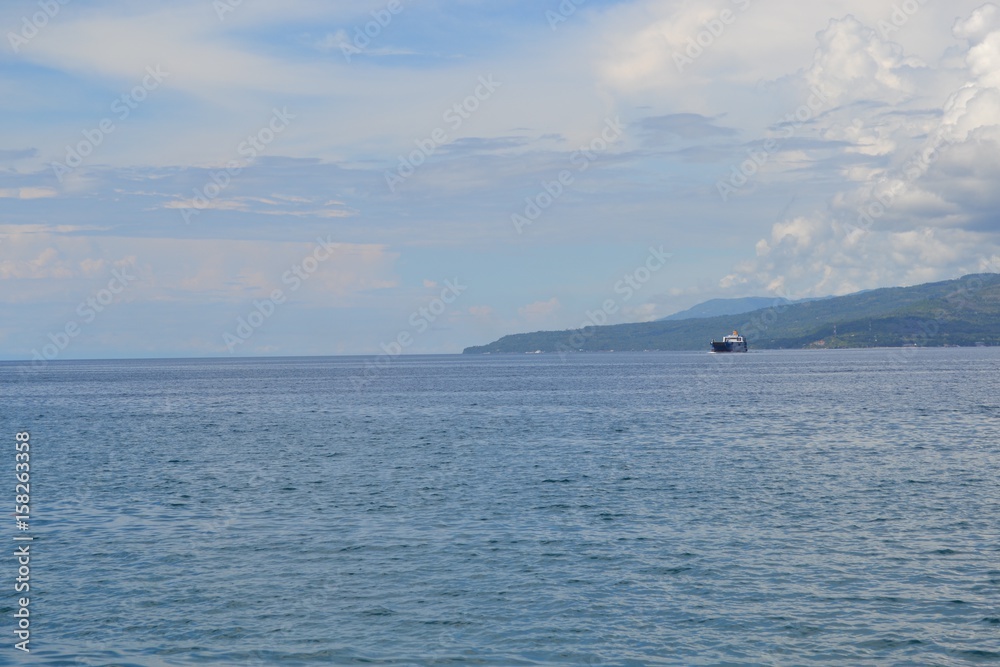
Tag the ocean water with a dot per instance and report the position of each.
(770, 508)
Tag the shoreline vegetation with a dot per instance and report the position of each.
(954, 313)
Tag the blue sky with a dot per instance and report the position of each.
(177, 160)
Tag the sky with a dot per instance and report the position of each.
(246, 178)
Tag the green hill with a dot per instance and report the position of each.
(965, 311)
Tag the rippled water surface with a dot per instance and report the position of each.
(773, 508)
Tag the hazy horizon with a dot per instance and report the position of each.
(211, 179)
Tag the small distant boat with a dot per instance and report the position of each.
(732, 343)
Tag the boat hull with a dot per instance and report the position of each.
(728, 346)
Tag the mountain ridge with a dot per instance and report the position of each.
(716, 307)
(964, 311)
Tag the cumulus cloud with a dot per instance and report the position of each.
(981, 24)
(853, 62)
(925, 207)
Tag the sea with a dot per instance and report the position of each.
(837, 507)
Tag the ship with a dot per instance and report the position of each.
(732, 343)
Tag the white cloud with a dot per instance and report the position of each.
(931, 213)
(539, 310)
(646, 312)
(191, 270)
(980, 25)
(27, 193)
(854, 63)
(481, 312)
(262, 206)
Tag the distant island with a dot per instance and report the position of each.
(962, 312)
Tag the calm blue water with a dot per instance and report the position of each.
(773, 508)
